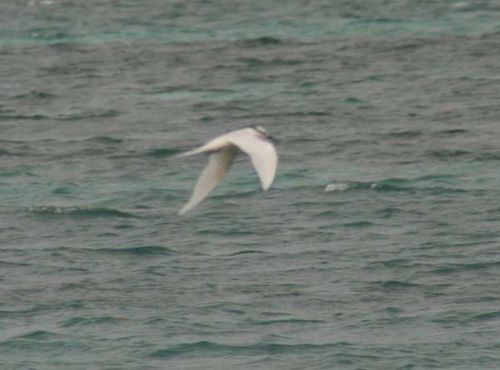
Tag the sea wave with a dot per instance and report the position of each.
(143, 250)
(88, 321)
(428, 184)
(79, 211)
(105, 140)
(162, 152)
(251, 349)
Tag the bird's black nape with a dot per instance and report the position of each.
(260, 130)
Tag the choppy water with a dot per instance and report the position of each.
(392, 106)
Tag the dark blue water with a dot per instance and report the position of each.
(376, 248)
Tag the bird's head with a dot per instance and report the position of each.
(262, 131)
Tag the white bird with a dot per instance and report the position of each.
(223, 149)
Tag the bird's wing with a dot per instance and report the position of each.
(218, 164)
(262, 153)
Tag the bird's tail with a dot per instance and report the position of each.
(191, 152)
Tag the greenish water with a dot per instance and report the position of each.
(391, 107)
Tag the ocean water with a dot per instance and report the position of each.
(378, 246)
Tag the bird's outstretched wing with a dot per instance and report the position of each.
(219, 163)
(261, 151)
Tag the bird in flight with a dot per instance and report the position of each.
(254, 141)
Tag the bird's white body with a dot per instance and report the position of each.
(223, 149)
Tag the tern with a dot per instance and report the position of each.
(254, 141)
